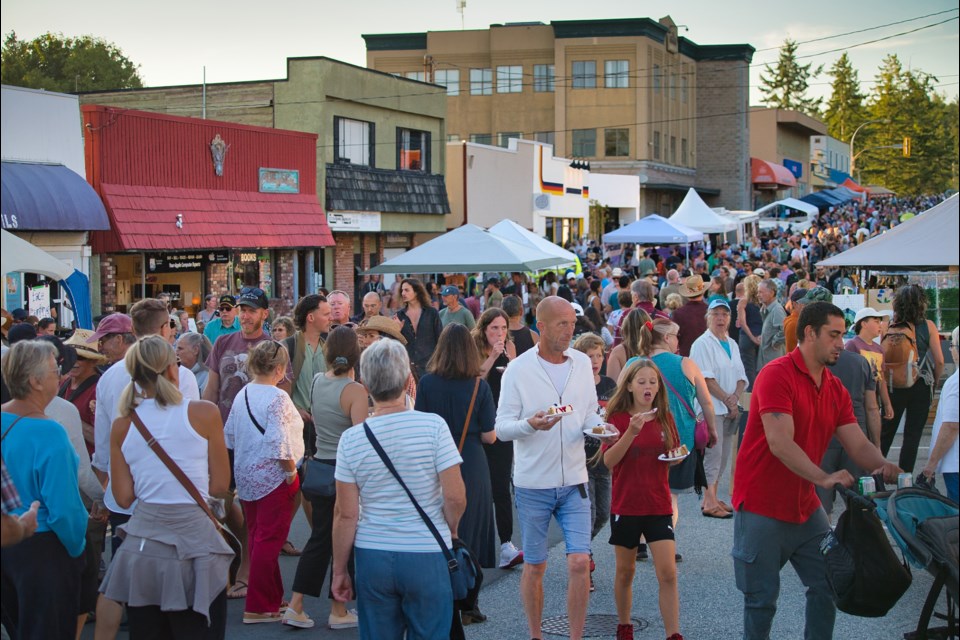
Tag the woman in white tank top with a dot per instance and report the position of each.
(172, 553)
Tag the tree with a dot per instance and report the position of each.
(845, 109)
(68, 65)
(784, 86)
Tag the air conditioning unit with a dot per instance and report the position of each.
(541, 202)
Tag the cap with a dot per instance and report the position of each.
(84, 350)
(113, 323)
(20, 332)
(718, 302)
(227, 301)
(798, 295)
(383, 325)
(759, 271)
(493, 280)
(870, 312)
(19, 314)
(617, 272)
(570, 276)
(577, 308)
(450, 290)
(253, 297)
(817, 294)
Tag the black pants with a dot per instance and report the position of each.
(41, 589)
(318, 553)
(116, 520)
(150, 623)
(915, 401)
(500, 463)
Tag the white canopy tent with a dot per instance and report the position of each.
(653, 229)
(792, 203)
(694, 213)
(467, 249)
(927, 241)
(510, 230)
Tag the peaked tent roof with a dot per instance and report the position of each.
(792, 203)
(510, 230)
(694, 213)
(927, 241)
(653, 229)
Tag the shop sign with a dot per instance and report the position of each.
(796, 168)
(279, 180)
(173, 262)
(249, 256)
(363, 221)
(396, 239)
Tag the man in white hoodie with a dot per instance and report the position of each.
(550, 471)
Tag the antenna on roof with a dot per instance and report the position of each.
(461, 5)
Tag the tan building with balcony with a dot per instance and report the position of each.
(628, 95)
(780, 151)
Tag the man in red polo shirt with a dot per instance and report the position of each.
(796, 408)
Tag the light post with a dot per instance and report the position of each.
(853, 158)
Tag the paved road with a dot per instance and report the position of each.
(711, 607)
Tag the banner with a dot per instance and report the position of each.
(40, 301)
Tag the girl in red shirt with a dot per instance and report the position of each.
(641, 505)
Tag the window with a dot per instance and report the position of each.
(563, 230)
(450, 78)
(657, 78)
(544, 136)
(452, 137)
(413, 150)
(616, 142)
(353, 141)
(481, 82)
(673, 86)
(481, 138)
(585, 74)
(684, 151)
(615, 74)
(543, 77)
(503, 138)
(510, 79)
(584, 143)
(415, 75)
(673, 149)
(656, 145)
(684, 89)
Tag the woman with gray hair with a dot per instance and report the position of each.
(193, 349)
(41, 574)
(402, 580)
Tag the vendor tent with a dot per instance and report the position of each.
(927, 241)
(467, 249)
(694, 213)
(18, 255)
(653, 229)
(791, 203)
(510, 230)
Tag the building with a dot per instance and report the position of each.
(554, 197)
(630, 96)
(379, 161)
(779, 153)
(200, 206)
(46, 199)
(829, 162)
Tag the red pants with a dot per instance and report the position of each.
(268, 524)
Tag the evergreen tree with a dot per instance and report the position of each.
(784, 86)
(845, 108)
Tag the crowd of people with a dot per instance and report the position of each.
(431, 416)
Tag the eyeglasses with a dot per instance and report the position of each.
(672, 335)
(257, 291)
(276, 350)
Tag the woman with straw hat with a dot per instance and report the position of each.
(80, 387)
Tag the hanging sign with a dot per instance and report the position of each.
(39, 304)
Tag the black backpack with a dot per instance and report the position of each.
(865, 574)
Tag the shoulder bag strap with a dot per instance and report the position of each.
(452, 564)
(246, 398)
(76, 393)
(466, 423)
(679, 397)
(173, 467)
(12, 424)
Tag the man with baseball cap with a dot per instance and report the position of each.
(492, 295)
(790, 322)
(227, 323)
(867, 325)
(114, 335)
(453, 312)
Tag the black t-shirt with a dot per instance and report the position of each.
(605, 389)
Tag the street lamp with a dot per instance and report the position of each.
(853, 158)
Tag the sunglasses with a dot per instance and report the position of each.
(173, 323)
(257, 291)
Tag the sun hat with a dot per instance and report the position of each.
(383, 325)
(617, 272)
(84, 349)
(693, 287)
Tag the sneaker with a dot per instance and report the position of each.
(675, 636)
(348, 621)
(257, 618)
(510, 556)
(678, 558)
(642, 553)
(624, 632)
(593, 587)
(299, 620)
(474, 616)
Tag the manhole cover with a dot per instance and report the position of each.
(598, 624)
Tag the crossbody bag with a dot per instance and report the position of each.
(701, 433)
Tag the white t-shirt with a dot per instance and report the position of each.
(948, 411)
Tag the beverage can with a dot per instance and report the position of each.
(867, 485)
(904, 480)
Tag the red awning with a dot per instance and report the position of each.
(769, 175)
(146, 219)
(853, 186)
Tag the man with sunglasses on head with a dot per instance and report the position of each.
(227, 323)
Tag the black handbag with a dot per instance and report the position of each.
(465, 577)
(318, 480)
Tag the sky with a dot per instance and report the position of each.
(238, 40)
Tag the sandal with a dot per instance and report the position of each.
(726, 507)
(716, 512)
(289, 550)
(234, 592)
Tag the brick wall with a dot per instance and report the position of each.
(218, 280)
(108, 284)
(723, 141)
(286, 298)
(343, 263)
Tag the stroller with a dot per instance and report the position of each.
(925, 526)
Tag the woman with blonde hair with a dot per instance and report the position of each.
(265, 431)
(750, 323)
(173, 554)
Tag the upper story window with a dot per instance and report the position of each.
(503, 138)
(450, 78)
(416, 75)
(673, 149)
(673, 86)
(413, 150)
(584, 74)
(656, 145)
(481, 138)
(684, 151)
(354, 141)
(543, 77)
(657, 78)
(481, 82)
(616, 74)
(510, 79)
(616, 143)
(544, 136)
(684, 89)
(584, 143)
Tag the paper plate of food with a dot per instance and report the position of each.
(674, 455)
(561, 410)
(601, 431)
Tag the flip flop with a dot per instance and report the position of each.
(717, 512)
(234, 592)
(289, 550)
(726, 507)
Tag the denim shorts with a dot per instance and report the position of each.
(535, 507)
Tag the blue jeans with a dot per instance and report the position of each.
(761, 546)
(535, 507)
(952, 482)
(600, 495)
(403, 593)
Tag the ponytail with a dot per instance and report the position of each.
(147, 362)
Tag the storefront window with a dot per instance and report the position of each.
(561, 231)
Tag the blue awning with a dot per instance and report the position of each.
(49, 197)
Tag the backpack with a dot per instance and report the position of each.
(900, 356)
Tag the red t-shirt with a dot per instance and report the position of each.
(762, 483)
(641, 485)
